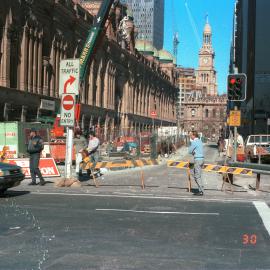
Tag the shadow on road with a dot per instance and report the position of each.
(13, 193)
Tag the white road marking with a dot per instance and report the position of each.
(125, 193)
(186, 198)
(264, 212)
(157, 212)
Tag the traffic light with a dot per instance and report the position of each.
(237, 87)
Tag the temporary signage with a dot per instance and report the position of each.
(46, 104)
(235, 118)
(77, 112)
(67, 110)
(69, 76)
(47, 166)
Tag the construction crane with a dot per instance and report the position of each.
(93, 36)
(175, 45)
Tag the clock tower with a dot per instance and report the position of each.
(206, 73)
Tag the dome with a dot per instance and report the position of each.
(165, 56)
(207, 28)
(144, 46)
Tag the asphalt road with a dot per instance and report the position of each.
(88, 231)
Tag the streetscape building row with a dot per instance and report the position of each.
(122, 86)
(200, 107)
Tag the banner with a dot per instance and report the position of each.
(47, 166)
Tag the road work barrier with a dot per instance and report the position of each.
(113, 165)
(87, 165)
(226, 171)
(257, 169)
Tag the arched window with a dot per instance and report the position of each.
(193, 112)
(206, 113)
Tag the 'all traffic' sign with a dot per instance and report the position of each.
(69, 76)
(67, 110)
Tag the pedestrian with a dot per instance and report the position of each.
(196, 149)
(80, 143)
(240, 140)
(92, 148)
(34, 148)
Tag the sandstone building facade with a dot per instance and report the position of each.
(121, 88)
(200, 107)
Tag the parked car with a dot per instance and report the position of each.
(258, 145)
(10, 176)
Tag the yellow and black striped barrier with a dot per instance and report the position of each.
(86, 164)
(211, 168)
(226, 171)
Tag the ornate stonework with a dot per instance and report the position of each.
(201, 108)
(206, 73)
(122, 86)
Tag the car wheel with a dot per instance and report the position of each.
(3, 190)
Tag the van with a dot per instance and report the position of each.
(257, 145)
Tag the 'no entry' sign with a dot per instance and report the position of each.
(68, 102)
(67, 110)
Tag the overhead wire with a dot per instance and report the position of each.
(193, 24)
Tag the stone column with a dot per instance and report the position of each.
(106, 127)
(35, 62)
(98, 93)
(45, 76)
(5, 66)
(91, 121)
(23, 114)
(91, 84)
(40, 60)
(106, 89)
(57, 65)
(30, 62)
(52, 61)
(24, 56)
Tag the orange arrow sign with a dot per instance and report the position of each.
(70, 81)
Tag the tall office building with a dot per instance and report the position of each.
(250, 55)
(149, 19)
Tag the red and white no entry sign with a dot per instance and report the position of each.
(68, 102)
(153, 113)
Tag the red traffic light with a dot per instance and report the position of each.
(232, 81)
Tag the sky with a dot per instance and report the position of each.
(187, 17)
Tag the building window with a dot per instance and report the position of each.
(193, 112)
(206, 113)
(214, 113)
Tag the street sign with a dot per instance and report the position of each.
(153, 113)
(69, 76)
(235, 118)
(67, 110)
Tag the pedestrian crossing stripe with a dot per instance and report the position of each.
(211, 168)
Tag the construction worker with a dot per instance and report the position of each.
(92, 148)
(35, 147)
(196, 149)
(80, 143)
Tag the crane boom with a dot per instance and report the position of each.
(94, 35)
